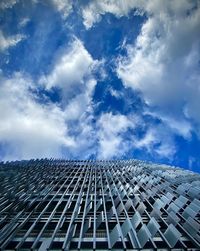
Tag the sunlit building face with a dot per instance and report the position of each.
(98, 205)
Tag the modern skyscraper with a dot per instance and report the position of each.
(98, 205)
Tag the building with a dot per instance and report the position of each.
(98, 205)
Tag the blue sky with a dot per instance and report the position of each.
(100, 80)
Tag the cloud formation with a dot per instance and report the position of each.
(163, 64)
(28, 128)
(66, 126)
(72, 69)
(110, 135)
(81, 88)
(117, 135)
(95, 9)
(9, 41)
(6, 4)
(63, 6)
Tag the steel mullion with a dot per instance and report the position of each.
(53, 212)
(40, 215)
(84, 212)
(52, 188)
(135, 209)
(21, 213)
(115, 211)
(105, 213)
(66, 244)
(134, 232)
(161, 234)
(64, 211)
(95, 200)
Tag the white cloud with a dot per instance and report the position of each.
(115, 93)
(23, 22)
(163, 64)
(147, 141)
(92, 12)
(63, 6)
(73, 73)
(117, 134)
(157, 141)
(72, 70)
(28, 128)
(79, 115)
(110, 135)
(81, 103)
(179, 125)
(192, 161)
(6, 4)
(10, 41)
(85, 137)
(31, 129)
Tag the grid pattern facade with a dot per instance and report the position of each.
(98, 205)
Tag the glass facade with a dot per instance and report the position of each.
(98, 205)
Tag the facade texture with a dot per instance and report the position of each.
(98, 205)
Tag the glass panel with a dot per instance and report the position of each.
(136, 220)
(116, 201)
(99, 204)
(173, 218)
(128, 204)
(172, 235)
(158, 204)
(192, 226)
(181, 201)
(153, 226)
(155, 213)
(170, 196)
(194, 192)
(45, 244)
(110, 213)
(114, 235)
(99, 220)
(173, 207)
(126, 227)
(189, 212)
(165, 200)
(143, 235)
(141, 208)
(195, 205)
(119, 209)
(85, 226)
